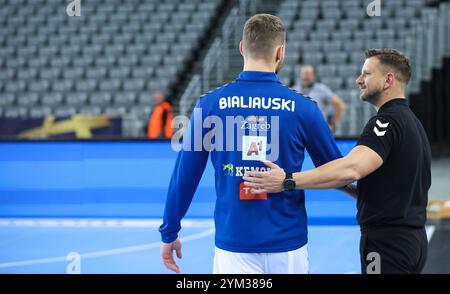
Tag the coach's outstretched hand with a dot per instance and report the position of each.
(167, 254)
(270, 181)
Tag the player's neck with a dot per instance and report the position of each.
(258, 65)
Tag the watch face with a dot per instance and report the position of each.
(289, 184)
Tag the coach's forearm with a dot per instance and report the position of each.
(335, 174)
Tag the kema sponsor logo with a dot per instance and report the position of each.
(231, 170)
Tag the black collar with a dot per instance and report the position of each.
(393, 103)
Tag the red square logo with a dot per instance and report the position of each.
(245, 194)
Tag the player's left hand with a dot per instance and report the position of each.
(270, 181)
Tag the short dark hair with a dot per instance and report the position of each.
(262, 33)
(395, 60)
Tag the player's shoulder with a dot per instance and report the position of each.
(215, 92)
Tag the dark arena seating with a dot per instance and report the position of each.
(107, 61)
(113, 57)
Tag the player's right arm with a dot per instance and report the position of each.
(186, 175)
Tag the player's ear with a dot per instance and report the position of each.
(389, 81)
(241, 48)
(280, 52)
(279, 56)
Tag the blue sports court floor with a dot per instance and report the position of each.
(132, 246)
(104, 202)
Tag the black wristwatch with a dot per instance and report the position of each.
(289, 183)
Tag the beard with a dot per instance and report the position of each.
(372, 97)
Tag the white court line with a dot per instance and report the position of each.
(430, 232)
(127, 223)
(98, 223)
(110, 252)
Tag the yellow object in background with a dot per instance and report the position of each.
(78, 124)
(438, 208)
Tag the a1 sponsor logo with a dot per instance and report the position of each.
(254, 148)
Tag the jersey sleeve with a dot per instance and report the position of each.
(319, 141)
(188, 170)
(380, 134)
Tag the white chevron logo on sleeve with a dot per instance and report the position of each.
(382, 126)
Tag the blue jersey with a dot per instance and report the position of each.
(259, 119)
